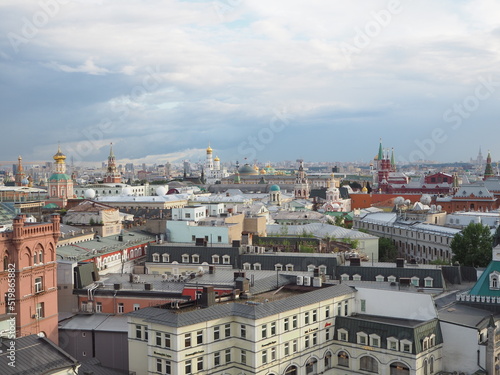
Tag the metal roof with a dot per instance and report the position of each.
(179, 318)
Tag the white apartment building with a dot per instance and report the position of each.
(311, 332)
(423, 242)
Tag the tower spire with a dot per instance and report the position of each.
(380, 151)
(488, 171)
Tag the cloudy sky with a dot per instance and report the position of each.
(266, 80)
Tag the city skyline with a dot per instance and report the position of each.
(280, 81)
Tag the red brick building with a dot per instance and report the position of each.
(28, 279)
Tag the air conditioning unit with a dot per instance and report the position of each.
(300, 280)
(136, 278)
(35, 316)
(164, 277)
(307, 281)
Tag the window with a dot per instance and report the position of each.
(196, 258)
(315, 316)
(228, 355)
(392, 343)
(327, 334)
(362, 338)
(216, 333)
(273, 328)
(243, 331)
(246, 266)
(405, 346)
(39, 310)
(121, 308)
(339, 309)
(264, 356)
(273, 354)
(278, 267)
(216, 358)
(156, 257)
(311, 366)
(432, 340)
(185, 258)
(342, 335)
(306, 341)
(375, 340)
(227, 330)
(158, 338)
(257, 266)
(327, 312)
(398, 368)
(379, 278)
(431, 365)
(34, 259)
(167, 340)
(287, 348)
(98, 307)
(243, 357)
(219, 238)
(363, 305)
(356, 277)
(187, 367)
(367, 363)
(294, 346)
(429, 281)
(40, 257)
(415, 281)
(315, 338)
(38, 284)
(165, 258)
(199, 337)
(289, 267)
(343, 359)
(286, 324)
(344, 277)
(328, 360)
(187, 340)
(346, 308)
(264, 331)
(159, 365)
(226, 259)
(137, 306)
(306, 318)
(215, 259)
(199, 364)
(168, 368)
(294, 321)
(391, 279)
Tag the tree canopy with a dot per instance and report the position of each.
(387, 251)
(473, 245)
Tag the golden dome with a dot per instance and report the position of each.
(209, 149)
(216, 158)
(256, 167)
(59, 157)
(263, 171)
(364, 190)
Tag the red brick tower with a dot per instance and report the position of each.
(28, 276)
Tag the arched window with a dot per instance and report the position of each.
(5, 262)
(424, 366)
(398, 368)
(292, 370)
(431, 365)
(343, 359)
(328, 360)
(35, 259)
(367, 363)
(312, 366)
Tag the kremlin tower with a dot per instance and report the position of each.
(488, 170)
(112, 174)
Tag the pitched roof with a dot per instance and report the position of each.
(34, 355)
(179, 318)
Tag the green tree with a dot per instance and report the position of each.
(472, 246)
(387, 251)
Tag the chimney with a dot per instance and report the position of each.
(211, 270)
(117, 286)
(148, 286)
(207, 298)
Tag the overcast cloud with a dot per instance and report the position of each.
(318, 80)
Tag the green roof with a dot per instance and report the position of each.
(51, 205)
(482, 286)
(59, 177)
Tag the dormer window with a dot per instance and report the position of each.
(494, 278)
